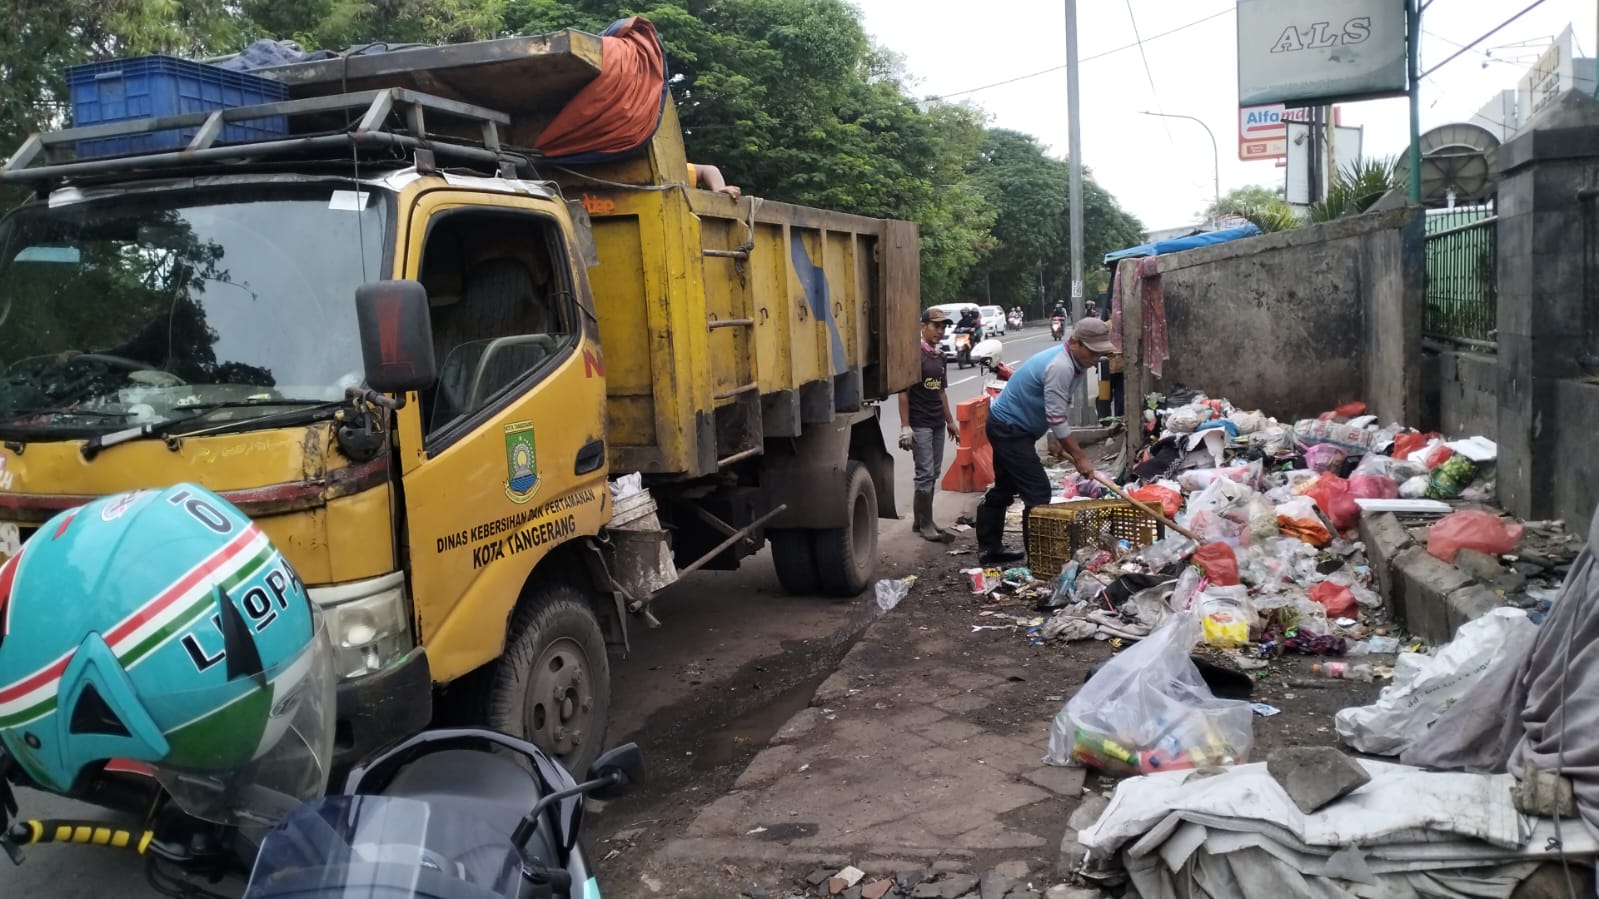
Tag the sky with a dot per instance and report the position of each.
(1160, 169)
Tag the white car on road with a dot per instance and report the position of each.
(993, 320)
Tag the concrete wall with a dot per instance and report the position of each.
(1574, 432)
(1466, 394)
(1293, 323)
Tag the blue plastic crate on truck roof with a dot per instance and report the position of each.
(152, 86)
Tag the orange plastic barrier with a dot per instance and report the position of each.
(973, 469)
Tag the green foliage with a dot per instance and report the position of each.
(791, 99)
(1273, 215)
(1356, 187)
(1239, 199)
(1032, 261)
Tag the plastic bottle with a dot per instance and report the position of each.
(1344, 670)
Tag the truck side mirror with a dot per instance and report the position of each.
(396, 336)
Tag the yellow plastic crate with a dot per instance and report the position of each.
(1055, 532)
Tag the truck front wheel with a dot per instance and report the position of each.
(846, 557)
(552, 686)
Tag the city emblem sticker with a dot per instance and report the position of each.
(521, 462)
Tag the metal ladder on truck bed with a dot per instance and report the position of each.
(393, 119)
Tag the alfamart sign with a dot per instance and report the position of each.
(1313, 52)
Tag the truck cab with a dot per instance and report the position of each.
(417, 360)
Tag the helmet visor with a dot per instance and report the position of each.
(289, 716)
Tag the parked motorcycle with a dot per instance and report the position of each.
(218, 744)
(444, 815)
(1057, 326)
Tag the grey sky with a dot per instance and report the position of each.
(1160, 169)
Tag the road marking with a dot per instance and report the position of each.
(962, 380)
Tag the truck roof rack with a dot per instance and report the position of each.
(393, 119)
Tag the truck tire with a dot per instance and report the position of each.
(552, 686)
(846, 557)
(795, 560)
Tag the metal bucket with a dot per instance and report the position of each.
(640, 551)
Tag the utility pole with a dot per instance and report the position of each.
(1413, 63)
(1074, 131)
(1083, 411)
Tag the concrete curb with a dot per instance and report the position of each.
(1430, 597)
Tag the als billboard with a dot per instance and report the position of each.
(1314, 52)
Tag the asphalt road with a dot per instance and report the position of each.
(720, 656)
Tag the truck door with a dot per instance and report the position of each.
(512, 462)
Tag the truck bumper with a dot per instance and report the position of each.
(381, 708)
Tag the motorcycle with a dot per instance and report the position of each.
(961, 342)
(1013, 321)
(444, 814)
(1057, 326)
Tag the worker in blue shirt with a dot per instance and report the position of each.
(1036, 401)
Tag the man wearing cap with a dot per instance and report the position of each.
(926, 418)
(1035, 402)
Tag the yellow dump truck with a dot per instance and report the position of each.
(420, 362)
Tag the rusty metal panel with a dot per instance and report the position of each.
(898, 310)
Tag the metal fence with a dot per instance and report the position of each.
(1463, 278)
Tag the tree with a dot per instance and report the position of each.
(1029, 190)
(1235, 201)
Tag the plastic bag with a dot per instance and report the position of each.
(1262, 518)
(1424, 686)
(1372, 486)
(1436, 455)
(1414, 488)
(1409, 442)
(1219, 496)
(1225, 615)
(1484, 532)
(1161, 554)
(1148, 710)
(1196, 479)
(1376, 645)
(1452, 478)
(1168, 501)
(1218, 563)
(1185, 419)
(890, 592)
(1325, 457)
(1331, 493)
(1299, 518)
(1247, 422)
(1312, 431)
(1336, 599)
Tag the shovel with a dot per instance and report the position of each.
(1149, 510)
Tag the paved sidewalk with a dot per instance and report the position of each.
(923, 751)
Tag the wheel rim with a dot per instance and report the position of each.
(560, 700)
(861, 534)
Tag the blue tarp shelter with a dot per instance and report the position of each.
(1178, 244)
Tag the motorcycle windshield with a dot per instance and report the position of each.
(378, 847)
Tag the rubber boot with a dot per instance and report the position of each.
(924, 520)
(991, 548)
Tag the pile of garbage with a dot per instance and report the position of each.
(1278, 567)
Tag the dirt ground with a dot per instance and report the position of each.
(701, 753)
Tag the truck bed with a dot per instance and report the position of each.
(724, 324)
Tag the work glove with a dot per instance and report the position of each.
(906, 439)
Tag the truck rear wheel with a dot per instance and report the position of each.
(846, 557)
(795, 560)
(552, 686)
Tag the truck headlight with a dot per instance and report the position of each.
(369, 622)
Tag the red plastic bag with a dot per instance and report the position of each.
(1218, 563)
(1372, 486)
(1165, 499)
(1331, 493)
(1340, 602)
(1438, 456)
(1409, 442)
(1484, 532)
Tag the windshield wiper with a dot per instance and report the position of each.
(98, 442)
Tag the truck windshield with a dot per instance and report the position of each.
(134, 308)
